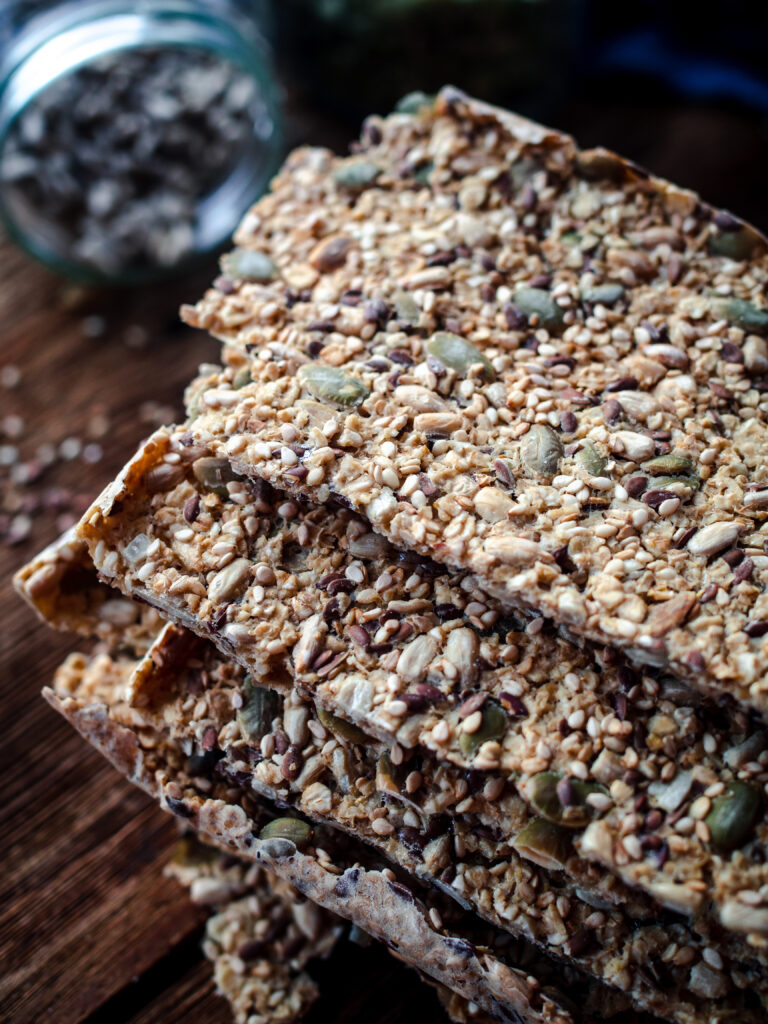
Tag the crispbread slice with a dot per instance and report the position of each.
(370, 898)
(430, 822)
(101, 686)
(591, 446)
(63, 587)
(643, 739)
(260, 934)
(249, 968)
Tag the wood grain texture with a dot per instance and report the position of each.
(84, 907)
(90, 930)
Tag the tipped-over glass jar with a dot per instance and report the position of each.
(133, 135)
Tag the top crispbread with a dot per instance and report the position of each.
(596, 455)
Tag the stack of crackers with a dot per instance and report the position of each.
(447, 603)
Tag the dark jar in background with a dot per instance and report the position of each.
(133, 135)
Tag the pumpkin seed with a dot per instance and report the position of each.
(605, 294)
(190, 852)
(413, 102)
(248, 265)
(341, 727)
(457, 353)
(544, 843)
(333, 384)
(594, 164)
(214, 475)
(669, 465)
(736, 245)
(192, 396)
(537, 301)
(294, 830)
(570, 238)
(493, 725)
(733, 816)
(260, 707)
(406, 308)
(590, 458)
(356, 175)
(385, 776)
(542, 790)
(663, 482)
(422, 173)
(742, 313)
(241, 378)
(541, 450)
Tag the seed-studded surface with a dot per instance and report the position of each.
(61, 585)
(450, 674)
(533, 362)
(291, 755)
(372, 898)
(260, 936)
(241, 895)
(447, 831)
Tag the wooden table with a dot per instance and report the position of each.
(90, 930)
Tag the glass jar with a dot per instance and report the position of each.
(112, 167)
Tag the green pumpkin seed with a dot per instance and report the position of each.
(214, 475)
(570, 238)
(422, 173)
(733, 816)
(742, 313)
(359, 937)
(668, 465)
(542, 793)
(190, 852)
(413, 102)
(537, 301)
(590, 459)
(294, 829)
(594, 164)
(332, 384)
(541, 450)
(248, 265)
(544, 843)
(457, 353)
(605, 294)
(661, 482)
(406, 308)
(260, 707)
(493, 725)
(736, 245)
(241, 378)
(385, 776)
(357, 175)
(192, 396)
(341, 727)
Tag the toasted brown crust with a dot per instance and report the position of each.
(661, 384)
(573, 715)
(63, 588)
(364, 897)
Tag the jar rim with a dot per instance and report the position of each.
(58, 43)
